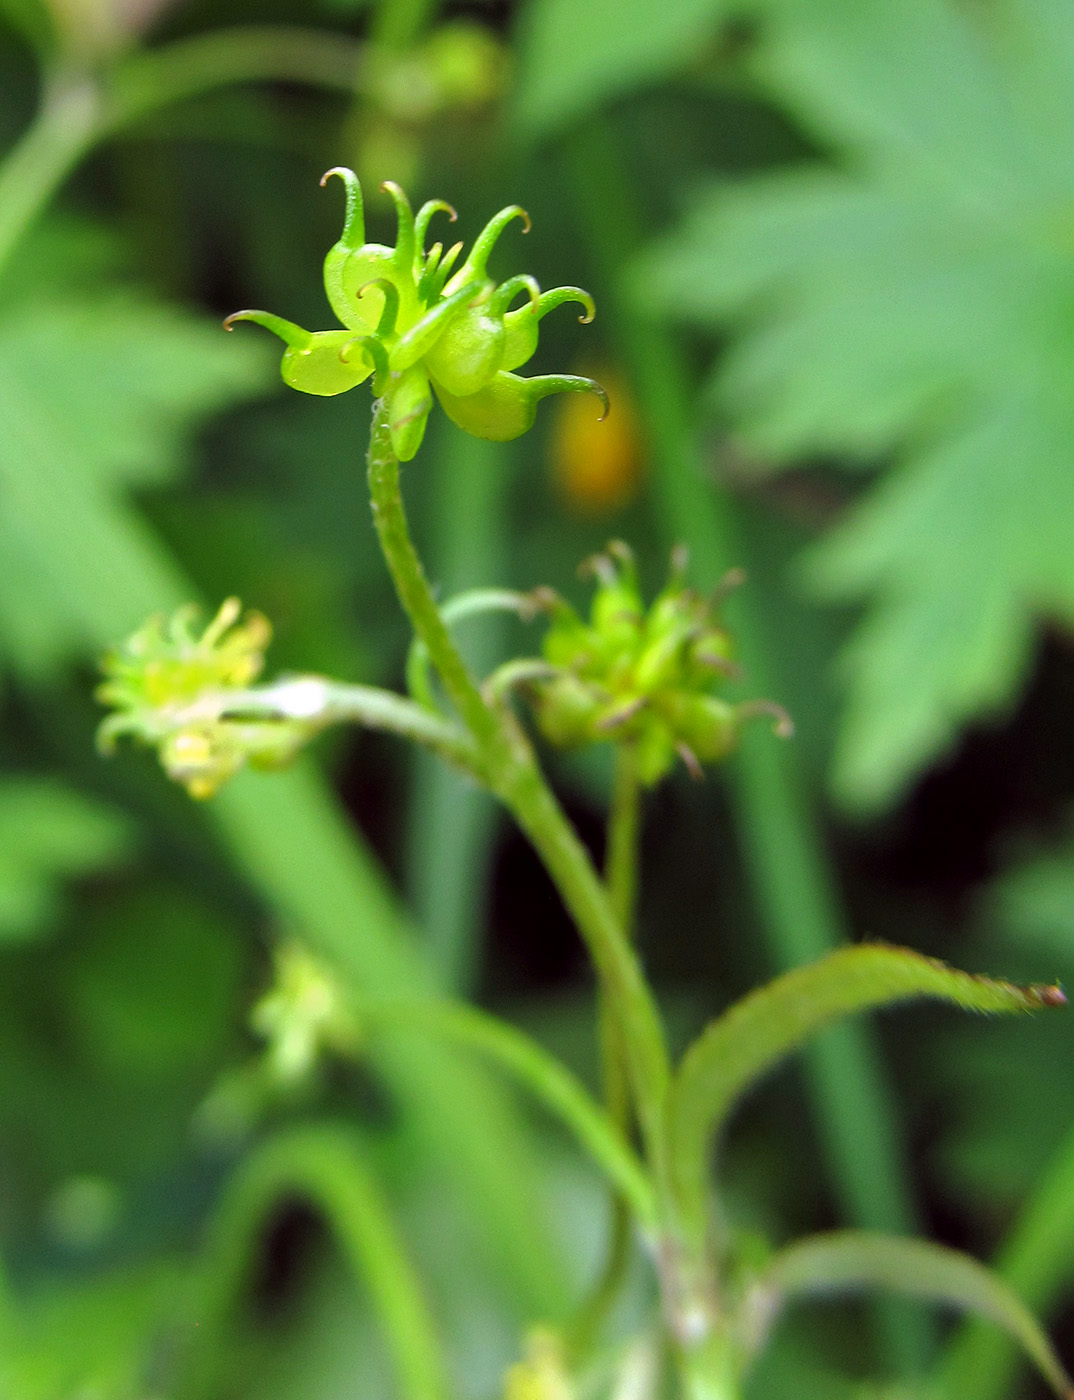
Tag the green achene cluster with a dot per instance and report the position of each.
(643, 677)
(417, 324)
(164, 683)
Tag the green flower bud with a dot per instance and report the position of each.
(568, 712)
(641, 677)
(411, 320)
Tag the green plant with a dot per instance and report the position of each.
(645, 680)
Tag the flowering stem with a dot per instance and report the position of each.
(317, 701)
(508, 767)
(621, 858)
(621, 878)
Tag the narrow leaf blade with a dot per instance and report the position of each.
(849, 1261)
(762, 1029)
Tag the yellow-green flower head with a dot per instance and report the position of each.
(417, 323)
(168, 684)
(645, 677)
(304, 1015)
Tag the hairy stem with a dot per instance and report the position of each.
(510, 770)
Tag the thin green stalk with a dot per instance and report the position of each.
(545, 1077)
(785, 856)
(79, 110)
(144, 82)
(621, 879)
(621, 857)
(452, 821)
(288, 839)
(1036, 1263)
(323, 1165)
(511, 771)
(66, 126)
(318, 702)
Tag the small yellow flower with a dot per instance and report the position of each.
(168, 685)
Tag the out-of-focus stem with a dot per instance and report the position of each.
(81, 108)
(65, 128)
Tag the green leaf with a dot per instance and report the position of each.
(755, 1034)
(94, 1339)
(914, 303)
(851, 1261)
(97, 396)
(49, 834)
(32, 20)
(575, 57)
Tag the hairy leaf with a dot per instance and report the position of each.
(850, 1261)
(49, 833)
(911, 299)
(751, 1038)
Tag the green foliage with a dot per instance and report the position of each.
(903, 293)
(93, 1339)
(574, 57)
(850, 1261)
(737, 1049)
(49, 834)
(98, 396)
(909, 298)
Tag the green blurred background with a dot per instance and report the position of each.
(832, 246)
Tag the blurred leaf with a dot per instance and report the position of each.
(49, 833)
(97, 395)
(153, 990)
(575, 57)
(31, 19)
(849, 1261)
(1034, 901)
(93, 1340)
(916, 301)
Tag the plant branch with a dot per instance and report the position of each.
(145, 82)
(318, 701)
(510, 770)
(323, 1164)
(545, 1077)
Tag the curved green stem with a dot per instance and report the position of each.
(510, 770)
(321, 1164)
(545, 1077)
(147, 81)
(621, 857)
(318, 701)
(64, 129)
(784, 851)
(621, 878)
(79, 110)
(850, 1261)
